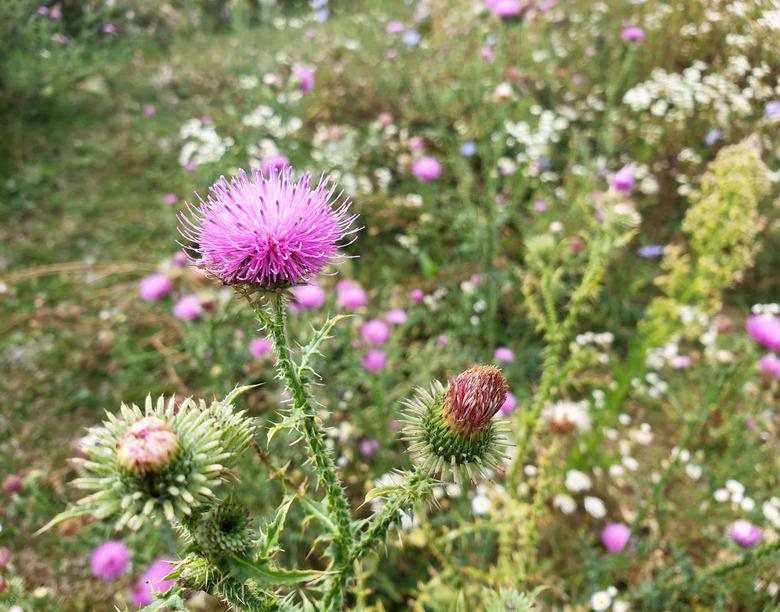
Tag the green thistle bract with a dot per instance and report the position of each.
(224, 529)
(166, 459)
(451, 431)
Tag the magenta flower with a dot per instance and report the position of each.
(396, 316)
(350, 294)
(504, 8)
(633, 34)
(149, 110)
(505, 354)
(615, 537)
(154, 287)
(304, 77)
(374, 360)
(426, 168)
(623, 179)
(268, 231)
(745, 533)
(12, 484)
(368, 447)
(442, 340)
(109, 560)
(770, 364)
(765, 329)
(108, 28)
(274, 163)
(260, 347)
(510, 403)
(170, 199)
(307, 297)
(417, 296)
(474, 397)
(376, 331)
(188, 308)
(395, 27)
(180, 259)
(152, 581)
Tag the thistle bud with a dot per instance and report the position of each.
(452, 431)
(148, 446)
(224, 529)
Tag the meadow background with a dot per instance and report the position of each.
(113, 114)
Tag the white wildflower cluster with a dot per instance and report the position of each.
(652, 384)
(202, 144)
(605, 600)
(598, 343)
(535, 141)
(277, 127)
(734, 492)
(579, 482)
(678, 97)
(692, 470)
(335, 146)
(765, 309)
(771, 511)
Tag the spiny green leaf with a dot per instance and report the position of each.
(273, 530)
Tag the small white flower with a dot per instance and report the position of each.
(693, 471)
(595, 507)
(480, 505)
(577, 481)
(721, 495)
(600, 601)
(564, 503)
(621, 606)
(747, 504)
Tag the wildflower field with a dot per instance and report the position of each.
(431, 305)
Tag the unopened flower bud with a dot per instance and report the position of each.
(473, 398)
(148, 446)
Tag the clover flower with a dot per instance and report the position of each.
(267, 231)
(452, 431)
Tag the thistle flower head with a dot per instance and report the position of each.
(147, 446)
(268, 231)
(163, 460)
(451, 431)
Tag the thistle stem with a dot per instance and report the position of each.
(322, 459)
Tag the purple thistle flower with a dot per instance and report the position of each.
(109, 560)
(350, 294)
(268, 231)
(154, 287)
(474, 397)
(374, 360)
(188, 308)
(304, 77)
(260, 347)
(376, 332)
(745, 533)
(307, 297)
(274, 163)
(510, 403)
(417, 295)
(633, 34)
(108, 28)
(770, 364)
(151, 581)
(396, 316)
(623, 180)
(615, 537)
(765, 329)
(170, 199)
(426, 168)
(504, 8)
(368, 447)
(505, 354)
(12, 484)
(395, 27)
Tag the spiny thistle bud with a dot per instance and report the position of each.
(452, 431)
(166, 459)
(148, 445)
(224, 529)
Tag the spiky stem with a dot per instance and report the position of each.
(322, 459)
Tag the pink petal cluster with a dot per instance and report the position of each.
(154, 287)
(375, 331)
(510, 403)
(505, 354)
(623, 179)
(374, 360)
(633, 34)
(188, 308)
(350, 294)
(745, 533)
(615, 537)
(765, 329)
(152, 581)
(426, 168)
(260, 347)
(504, 8)
(147, 446)
(304, 77)
(770, 364)
(396, 316)
(109, 560)
(474, 397)
(417, 295)
(307, 297)
(269, 231)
